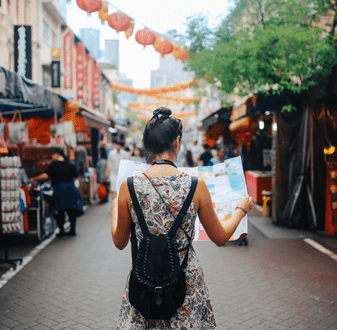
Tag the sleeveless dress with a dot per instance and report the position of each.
(196, 312)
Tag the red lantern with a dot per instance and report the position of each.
(119, 21)
(184, 54)
(90, 6)
(145, 37)
(165, 47)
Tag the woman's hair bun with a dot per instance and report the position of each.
(162, 111)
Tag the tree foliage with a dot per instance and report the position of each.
(266, 46)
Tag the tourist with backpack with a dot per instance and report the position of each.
(166, 287)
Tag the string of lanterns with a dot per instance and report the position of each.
(181, 115)
(119, 21)
(154, 90)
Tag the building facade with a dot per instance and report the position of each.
(90, 37)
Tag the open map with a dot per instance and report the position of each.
(226, 184)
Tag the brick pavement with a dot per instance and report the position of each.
(77, 282)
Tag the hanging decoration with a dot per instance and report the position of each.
(176, 51)
(129, 31)
(145, 37)
(149, 104)
(184, 55)
(157, 42)
(119, 21)
(122, 22)
(180, 115)
(165, 47)
(103, 13)
(89, 6)
(155, 90)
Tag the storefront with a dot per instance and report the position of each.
(216, 125)
(92, 131)
(27, 111)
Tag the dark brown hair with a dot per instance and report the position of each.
(160, 133)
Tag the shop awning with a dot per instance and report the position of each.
(33, 100)
(223, 113)
(91, 117)
(94, 118)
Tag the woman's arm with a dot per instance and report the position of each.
(120, 218)
(42, 176)
(219, 231)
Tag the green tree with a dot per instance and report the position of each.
(266, 46)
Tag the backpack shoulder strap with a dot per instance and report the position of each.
(136, 205)
(183, 210)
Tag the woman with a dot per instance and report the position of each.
(66, 197)
(162, 141)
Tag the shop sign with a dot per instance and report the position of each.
(68, 45)
(80, 71)
(55, 74)
(23, 50)
(95, 86)
(239, 112)
(55, 53)
(330, 154)
(90, 70)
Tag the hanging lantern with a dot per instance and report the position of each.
(89, 6)
(119, 21)
(129, 31)
(103, 13)
(157, 43)
(165, 47)
(145, 37)
(176, 51)
(184, 54)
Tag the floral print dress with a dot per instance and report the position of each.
(196, 312)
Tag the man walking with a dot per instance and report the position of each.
(114, 158)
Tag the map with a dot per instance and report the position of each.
(225, 182)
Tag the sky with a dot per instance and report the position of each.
(160, 16)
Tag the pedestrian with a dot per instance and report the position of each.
(188, 159)
(220, 157)
(114, 157)
(206, 156)
(162, 140)
(101, 172)
(66, 197)
(137, 155)
(196, 151)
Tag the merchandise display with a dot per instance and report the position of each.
(11, 215)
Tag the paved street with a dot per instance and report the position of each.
(276, 282)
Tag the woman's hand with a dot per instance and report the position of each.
(246, 203)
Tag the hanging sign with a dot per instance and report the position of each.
(55, 74)
(68, 46)
(80, 69)
(23, 50)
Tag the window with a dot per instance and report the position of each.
(54, 40)
(45, 30)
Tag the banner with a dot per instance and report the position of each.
(225, 182)
(23, 50)
(68, 46)
(95, 86)
(89, 79)
(80, 71)
(55, 74)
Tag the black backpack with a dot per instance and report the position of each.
(157, 281)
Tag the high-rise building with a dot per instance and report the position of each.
(111, 52)
(90, 38)
(171, 71)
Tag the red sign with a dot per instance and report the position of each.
(68, 46)
(95, 86)
(80, 71)
(90, 74)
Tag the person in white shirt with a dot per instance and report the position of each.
(114, 158)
